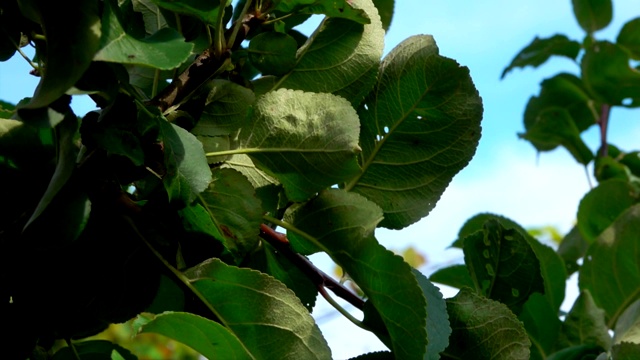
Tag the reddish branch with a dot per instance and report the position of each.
(317, 276)
(603, 122)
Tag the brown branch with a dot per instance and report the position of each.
(317, 276)
(603, 122)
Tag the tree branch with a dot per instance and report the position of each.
(603, 122)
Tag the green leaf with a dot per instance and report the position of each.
(456, 276)
(73, 37)
(611, 269)
(93, 350)
(268, 190)
(273, 53)
(572, 248)
(593, 15)
(629, 38)
(503, 265)
(164, 50)
(426, 105)
(600, 207)
(307, 141)
(554, 126)
(484, 329)
(292, 334)
(331, 8)
(205, 10)
(541, 322)
(438, 329)
(342, 224)
(540, 50)
(152, 17)
(578, 352)
(585, 324)
(226, 109)
(625, 350)
(341, 57)
(566, 91)
(385, 9)
(188, 172)
(210, 339)
(607, 73)
(628, 325)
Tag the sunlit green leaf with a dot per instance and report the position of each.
(609, 76)
(291, 334)
(307, 141)
(627, 327)
(267, 188)
(484, 329)
(540, 50)
(593, 15)
(611, 269)
(207, 337)
(165, 50)
(426, 105)
(342, 224)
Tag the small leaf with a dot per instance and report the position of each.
(164, 50)
(593, 15)
(210, 339)
(607, 73)
(342, 57)
(205, 10)
(571, 249)
(503, 265)
(93, 349)
(628, 325)
(540, 50)
(307, 141)
(331, 8)
(629, 38)
(292, 326)
(456, 276)
(611, 269)
(428, 106)
(273, 53)
(484, 329)
(73, 37)
(553, 127)
(600, 207)
(438, 329)
(342, 224)
(585, 324)
(235, 211)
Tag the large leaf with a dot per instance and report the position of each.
(611, 269)
(307, 141)
(342, 224)
(484, 329)
(540, 50)
(503, 265)
(278, 327)
(207, 337)
(600, 207)
(73, 37)
(629, 38)
(593, 15)
(341, 57)
(608, 74)
(426, 105)
(234, 210)
(585, 324)
(438, 329)
(165, 50)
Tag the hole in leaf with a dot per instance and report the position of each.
(627, 101)
(419, 117)
(386, 129)
(366, 107)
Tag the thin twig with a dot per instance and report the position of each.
(603, 122)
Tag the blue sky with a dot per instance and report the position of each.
(506, 176)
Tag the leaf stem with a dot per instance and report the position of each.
(73, 348)
(219, 41)
(156, 80)
(239, 23)
(340, 309)
(603, 122)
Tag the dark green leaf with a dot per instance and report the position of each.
(578, 352)
(426, 105)
(380, 355)
(291, 334)
(554, 126)
(566, 91)
(572, 248)
(342, 224)
(607, 168)
(540, 50)
(332, 8)
(152, 17)
(611, 269)
(600, 207)
(226, 109)
(308, 141)
(342, 58)
(94, 350)
(541, 322)
(585, 324)
(484, 329)
(456, 276)
(625, 350)
(385, 9)
(438, 329)
(235, 211)
(165, 50)
(273, 53)
(207, 337)
(607, 73)
(503, 265)
(73, 37)
(593, 15)
(629, 38)
(169, 297)
(205, 10)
